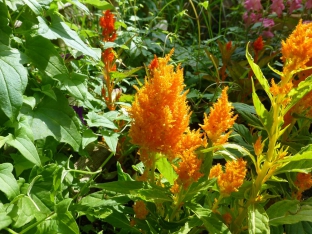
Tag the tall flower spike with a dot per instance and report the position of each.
(107, 22)
(297, 49)
(220, 120)
(160, 112)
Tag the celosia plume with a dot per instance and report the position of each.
(233, 177)
(160, 112)
(258, 44)
(140, 210)
(258, 146)
(107, 22)
(303, 182)
(297, 49)
(220, 120)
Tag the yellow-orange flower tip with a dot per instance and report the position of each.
(258, 146)
(297, 49)
(303, 182)
(140, 210)
(220, 120)
(233, 177)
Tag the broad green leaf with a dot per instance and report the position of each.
(5, 219)
(96, 200)
(88, 137)
(296, 94)
(119, 76)
(44, 56)
(31, 101)
(59, 29)
(111, 139)
(299, 228)
(13, 81)
(264, 116)
(123, 187)
(258, 221)
(75, 84)
(47, 90)
(95, 120)
(55, 118)
(248, 113)
(121, 220)
(154, 194)
(166, 169)
(211, 221)
(258, 73)
(3, 140)
(66, 222)
(23, 212)
(34, 6)
(26, 147)
(5, 29)
(289, 212)
(21, 163)
(8, 183)
(201, 185)
(101, 5)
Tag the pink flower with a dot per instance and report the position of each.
(277, 7)
(267, 23)
(267, 34)
(308, 4)
(251, 18)
(293, 5)
(253, 5)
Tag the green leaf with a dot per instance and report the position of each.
(5, 219)
(111, 139)
(66, 222)
(26, 147)
(300, 162)
(101, 5)
(248, 113)
(55, 118)
(88, 137)
(123, 187)
(59, 29)
(258, 73)
(44, 56)
(120, 220)
(23, 212)
(8, 183)
(119, 76)
(264, 116)
(95, 120)
(289, 212)
(13, 81)
(34, 6)
(299, 228)
(211, 221)
(296, 94)
(75, 84)
(5, 29)
(166, 169)
(258, 221)
(122, 176)
(193, 222)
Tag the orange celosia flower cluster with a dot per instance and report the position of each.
(189, 167)
(233, 177)
(140, 210)
(303, 182)
(160, 113)
(297, 49)
(258, 44)
(107, 22)
(220, 120)
(160, 122)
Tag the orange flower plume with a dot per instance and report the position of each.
(297, 49)
(303, 182)
(160, 112)
(220, 120)
(140, 210)
(233, 177)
